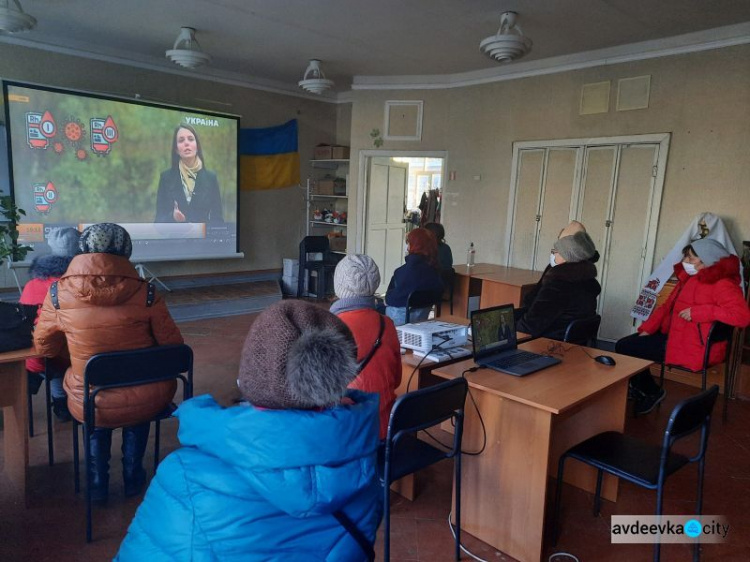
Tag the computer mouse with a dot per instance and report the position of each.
(605, 360)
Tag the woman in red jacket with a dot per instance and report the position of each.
(707, 290)
(378, 353)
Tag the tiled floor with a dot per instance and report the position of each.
(51, 527)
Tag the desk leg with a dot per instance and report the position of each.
(15, 422)
(504, 488)
(461, 296)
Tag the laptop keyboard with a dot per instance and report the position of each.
(513, 360)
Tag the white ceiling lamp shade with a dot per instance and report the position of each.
(314, 81)
(186, 51)
(13, 18)
(509, 43)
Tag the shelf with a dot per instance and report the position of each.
(331, 224)
(328, 164)
(329, 197)
(342, 252)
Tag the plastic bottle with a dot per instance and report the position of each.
(470, 255)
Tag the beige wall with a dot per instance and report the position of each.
(703, 99)
(272, 222)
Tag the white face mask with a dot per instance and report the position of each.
(406, 249)
(552, 262)
(689, 268)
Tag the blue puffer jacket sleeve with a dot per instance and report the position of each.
(253, 484)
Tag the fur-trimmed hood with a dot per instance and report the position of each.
(725, 268)
(49, 265)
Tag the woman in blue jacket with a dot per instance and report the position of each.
(267, 479)
(419, 273)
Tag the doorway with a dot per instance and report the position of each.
(613, 186)
(390, 189)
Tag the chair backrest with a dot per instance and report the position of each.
(449, 278)
(689, 416)
(582, 331)
(422, 299)
(718, 332)
(427, 407)
(313, 244)
(135, 367)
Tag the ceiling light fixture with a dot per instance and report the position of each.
(509, 43)
(314, 81)
(186, 51)
(13, 18)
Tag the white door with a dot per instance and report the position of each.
(613, 186)
(384, 231)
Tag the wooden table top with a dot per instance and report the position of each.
(18, 355)
(554, 389)
(499, 273)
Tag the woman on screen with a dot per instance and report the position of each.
(188, 192)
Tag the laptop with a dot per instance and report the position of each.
(496, 347)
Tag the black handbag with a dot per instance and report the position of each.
(16, 325)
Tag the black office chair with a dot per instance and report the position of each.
(123, 369)
(583, 331)
(324, 268)
(718, 332)
(48, 412)
(449, 279)
(403, 454)
(645, 464)
(422, 299)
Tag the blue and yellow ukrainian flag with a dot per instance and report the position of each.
(268, 157)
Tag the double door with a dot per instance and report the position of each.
(613, 186)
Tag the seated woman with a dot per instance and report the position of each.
(268, 479)
(567, 291)
(444, 253)
(419, 273)
(355, 281)
(103, 305)
(43, 271)
(707, 290)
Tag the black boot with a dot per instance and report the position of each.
(60, 408)
(100, 443)
(134, 440)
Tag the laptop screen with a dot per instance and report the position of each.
(493, 330)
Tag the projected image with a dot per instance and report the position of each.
(168, 175)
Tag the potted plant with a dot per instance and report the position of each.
(9, 217)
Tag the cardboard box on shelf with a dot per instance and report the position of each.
(326, 187)
(339, 186)
(340, 152)
(337, 243)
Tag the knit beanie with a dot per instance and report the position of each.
(576, 247)
(297, 356)
(63, 241)
(709, 250)
(106, 238)
(357, 275)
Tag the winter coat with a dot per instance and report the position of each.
(204, 206)
(712, 294)
(103, 308)
(43, 271)
(565, 293)
(415, 275)
(382, 374)
(252, 484)
(445, 256)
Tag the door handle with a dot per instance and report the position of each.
(608, 223)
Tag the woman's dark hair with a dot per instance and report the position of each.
(688, 249)
(175, 156)
(437, 229)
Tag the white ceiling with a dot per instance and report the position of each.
(269, 42)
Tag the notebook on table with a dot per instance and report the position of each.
(496, 347)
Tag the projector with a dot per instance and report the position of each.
(424, 336)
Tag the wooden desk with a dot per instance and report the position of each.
(494, 284)
(13, 390)
(530, 421)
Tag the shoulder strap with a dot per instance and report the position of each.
(53, 295)
(375, 346)
(356, 534)
(150, 294)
